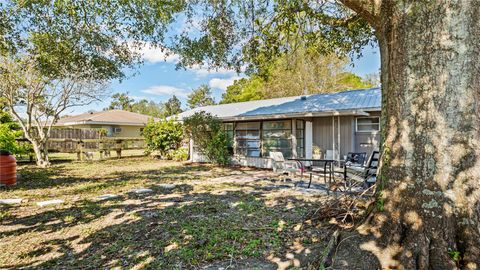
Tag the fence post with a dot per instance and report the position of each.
(80, 151)
(118, 147)
(101, 148)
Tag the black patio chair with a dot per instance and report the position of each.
(356, 158)
(366, 174)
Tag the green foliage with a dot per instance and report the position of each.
(84, 36)
(244, 90)
(7, 138)
(9, 131)
(353, 81)
(298, 73)
(146, 107)
(163, 136)
(121, 101)
(172, 107)
(202, 96)
(209, 137)
(455, 255)
(235, 33)
(180, 154)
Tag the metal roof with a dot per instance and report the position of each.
(330, 103)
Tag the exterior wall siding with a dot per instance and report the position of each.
(127, 131)
(324, 135)
(367, 141)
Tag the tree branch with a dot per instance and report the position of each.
(368, 9)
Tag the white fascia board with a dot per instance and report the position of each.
(293, 115)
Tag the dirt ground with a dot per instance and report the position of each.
(196, 217)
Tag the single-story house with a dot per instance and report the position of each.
(342, 122)
(117, 123)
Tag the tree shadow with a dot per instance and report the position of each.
(176, 229)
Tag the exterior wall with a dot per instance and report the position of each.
(367, 141)
(324, 136)
(127, 131)
(319, 131)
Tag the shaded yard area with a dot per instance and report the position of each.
(210, 217)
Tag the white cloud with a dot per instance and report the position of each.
(165, 90)
(223, 83)
(154, 54)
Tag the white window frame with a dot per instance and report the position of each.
(367, 131)
(117, 130)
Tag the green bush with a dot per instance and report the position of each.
(163, 136)
(181, 154)
(209, 137)
(7, 138)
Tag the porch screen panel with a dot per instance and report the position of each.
(276, 137)
(247, 136)
(228, 128)
(300, 138)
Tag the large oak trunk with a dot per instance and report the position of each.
(428, 206)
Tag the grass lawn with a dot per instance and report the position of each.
(212, 217)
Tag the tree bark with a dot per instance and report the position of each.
(428, 208)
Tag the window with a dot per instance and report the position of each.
(141, 131)
(117, 130)
(248, 139)
(300, 138)
(368, 124)
(228, 128)
(276, 137)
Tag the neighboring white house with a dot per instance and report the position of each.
(344, 122)
(117, 123)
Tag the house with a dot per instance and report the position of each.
(117, 123)
(344, 122)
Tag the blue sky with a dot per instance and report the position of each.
(157, 79)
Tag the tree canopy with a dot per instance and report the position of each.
(293, 74)
(78, 36)
(202, 96)
(122, 101)
(173, 106)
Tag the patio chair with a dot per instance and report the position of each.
(283, 166)
(366, 174)
(355, 159)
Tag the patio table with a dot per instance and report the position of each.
(327, 163)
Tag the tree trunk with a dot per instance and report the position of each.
(428, 206)
(41, 153)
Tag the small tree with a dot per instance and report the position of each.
(36, 100)
(209, 137)
(202, 96)
(163, 136)
(173, 106)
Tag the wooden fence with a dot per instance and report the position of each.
(85, 141)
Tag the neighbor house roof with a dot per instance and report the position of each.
(111, 117)
(352, 102)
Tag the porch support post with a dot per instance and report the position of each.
(333, 136)
(294, 138)
(338, 136)
(308, 139)
(190, 144)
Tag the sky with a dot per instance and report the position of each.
(157, 79)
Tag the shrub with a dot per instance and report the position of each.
(7, 139)
(163, 136)
(209, 137)
(181, 154)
